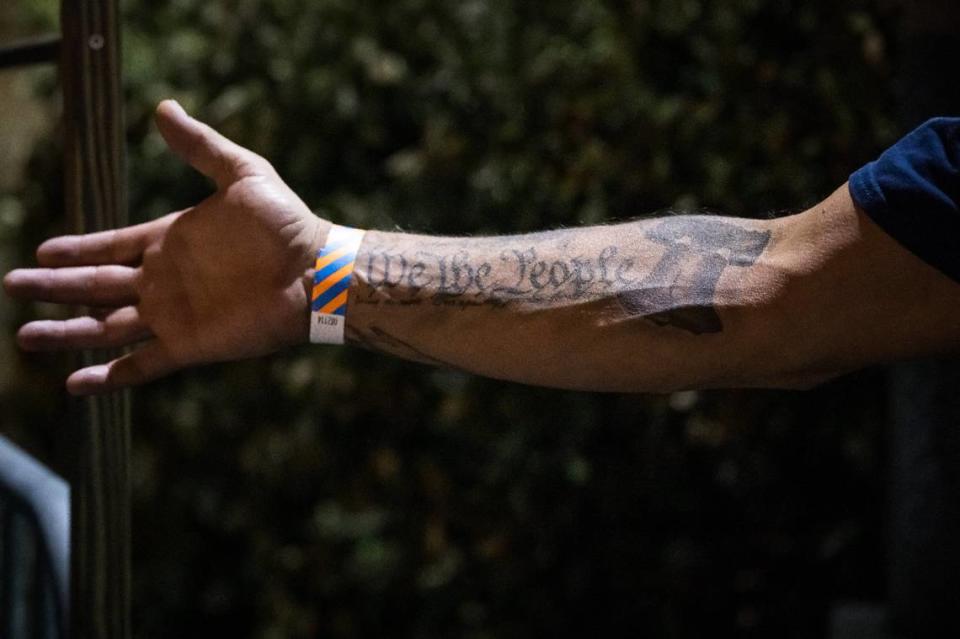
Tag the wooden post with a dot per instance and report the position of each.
(95, 199)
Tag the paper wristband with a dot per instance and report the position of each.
(331, 284)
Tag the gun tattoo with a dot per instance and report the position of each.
(680, 289)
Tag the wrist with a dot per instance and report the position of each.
(335, 253)
(318, 234)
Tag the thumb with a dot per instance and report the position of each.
(201, 146)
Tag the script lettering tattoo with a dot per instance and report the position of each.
(681, 288)
(389, 269)
(457, 278)
(551, 268)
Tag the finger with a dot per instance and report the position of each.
(116, 246)
(145, 364)
(121, 327)
(87, 285)
(101, 312)
(201, 146)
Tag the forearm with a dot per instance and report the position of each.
(655, 305)
(649, 305)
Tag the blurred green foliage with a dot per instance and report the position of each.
(331, 492)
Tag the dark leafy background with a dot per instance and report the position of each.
(336, 493)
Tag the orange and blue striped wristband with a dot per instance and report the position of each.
(333, 272)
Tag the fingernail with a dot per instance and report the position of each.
(10, 280)
(173, 105)
(27, 336)
(178, 107)
(88, 380)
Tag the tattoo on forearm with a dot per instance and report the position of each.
(678, 291)
(378, 339)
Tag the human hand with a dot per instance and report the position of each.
(226, 279)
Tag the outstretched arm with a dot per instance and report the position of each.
(653, 305)
(659, 304)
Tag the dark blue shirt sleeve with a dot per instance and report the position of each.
(912, 192)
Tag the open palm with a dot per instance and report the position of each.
(225, 279)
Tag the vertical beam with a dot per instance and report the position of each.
(95, 199)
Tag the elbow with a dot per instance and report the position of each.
(790, 350)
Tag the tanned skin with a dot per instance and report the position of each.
(649, 306)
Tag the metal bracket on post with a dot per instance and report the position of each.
(95, 199)
(37, 51)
